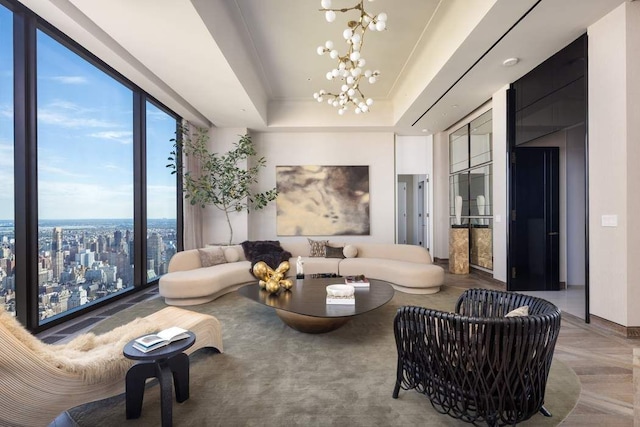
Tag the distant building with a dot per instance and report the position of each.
(155, 247)
(57, 254)
(78, 297)
(86, 258)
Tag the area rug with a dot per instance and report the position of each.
(272, 375)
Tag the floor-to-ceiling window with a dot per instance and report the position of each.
(95, 213)
(85, 180)
(7, 228)
(162, 192)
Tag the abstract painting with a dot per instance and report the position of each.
(322, 200)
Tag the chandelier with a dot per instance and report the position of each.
(349, 68)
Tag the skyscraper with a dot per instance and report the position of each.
(117, 237)
(154, 251)
(57, 255)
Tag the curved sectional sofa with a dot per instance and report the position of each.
(407, 268)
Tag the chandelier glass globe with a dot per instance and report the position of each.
(350, 67)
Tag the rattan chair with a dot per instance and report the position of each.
(39, 381)
(476, 364)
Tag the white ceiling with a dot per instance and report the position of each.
(253, 63)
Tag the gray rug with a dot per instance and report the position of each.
(271, 375)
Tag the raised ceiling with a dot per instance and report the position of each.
(253, 63)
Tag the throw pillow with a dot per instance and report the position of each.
(231, 255)
(332, 252)
(211, 256)
(317, 247)
(520, 311)
(350, 251)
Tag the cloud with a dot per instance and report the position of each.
(59, 171)
(69, 115)
(80, 199)
(6, 111)
(161, 201)
(70, 80)
(123, 137)
(156, 115)
(6, 157)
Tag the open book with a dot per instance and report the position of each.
(151, 342)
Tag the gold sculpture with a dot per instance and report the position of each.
(272, 280)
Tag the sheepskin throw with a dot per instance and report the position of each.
(94, 357)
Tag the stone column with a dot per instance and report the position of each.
(459, 250)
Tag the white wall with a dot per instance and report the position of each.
(608, 174)
(576, 206)
(375, 150)
(440, 207)
(633, 152)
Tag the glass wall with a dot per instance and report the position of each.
(85, 180)
(471, 187)
(83, 160)
(7, 205)
(162, 192)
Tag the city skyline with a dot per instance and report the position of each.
(85, 138)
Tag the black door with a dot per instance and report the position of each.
(534, 241)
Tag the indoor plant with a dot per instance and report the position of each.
(222, 181)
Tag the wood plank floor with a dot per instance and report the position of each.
(602, 360)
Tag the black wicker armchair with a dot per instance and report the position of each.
(476, 364)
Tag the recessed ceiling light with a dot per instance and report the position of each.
(243, 110)
(425, 130)
(510, 62)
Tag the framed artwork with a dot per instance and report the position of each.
(322, 200)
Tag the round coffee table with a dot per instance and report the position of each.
(305, 309)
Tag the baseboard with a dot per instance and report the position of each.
(488, 276)
(623, 331)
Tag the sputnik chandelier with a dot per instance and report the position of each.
(349, 69)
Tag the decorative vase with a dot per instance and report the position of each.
(458, 208)
(299, 268)
(480, 201)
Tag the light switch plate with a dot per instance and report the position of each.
(609, 220)
(498, 218)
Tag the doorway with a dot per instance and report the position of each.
(535, 217)
(413, 218)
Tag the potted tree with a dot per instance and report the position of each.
(222, 181)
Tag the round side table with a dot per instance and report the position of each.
(166, 364)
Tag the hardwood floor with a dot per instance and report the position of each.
(602, 360)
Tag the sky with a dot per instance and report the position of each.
(85, 138)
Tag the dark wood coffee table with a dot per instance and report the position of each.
(304, 307)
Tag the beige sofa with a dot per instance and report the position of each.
(407, 267)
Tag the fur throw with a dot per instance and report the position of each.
(95, 358)
(268, 251)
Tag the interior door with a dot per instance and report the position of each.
(534, 247)
(421, 215)
(402, 212)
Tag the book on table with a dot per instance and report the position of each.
(358, 281)
(350, 300)
(152, 342)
